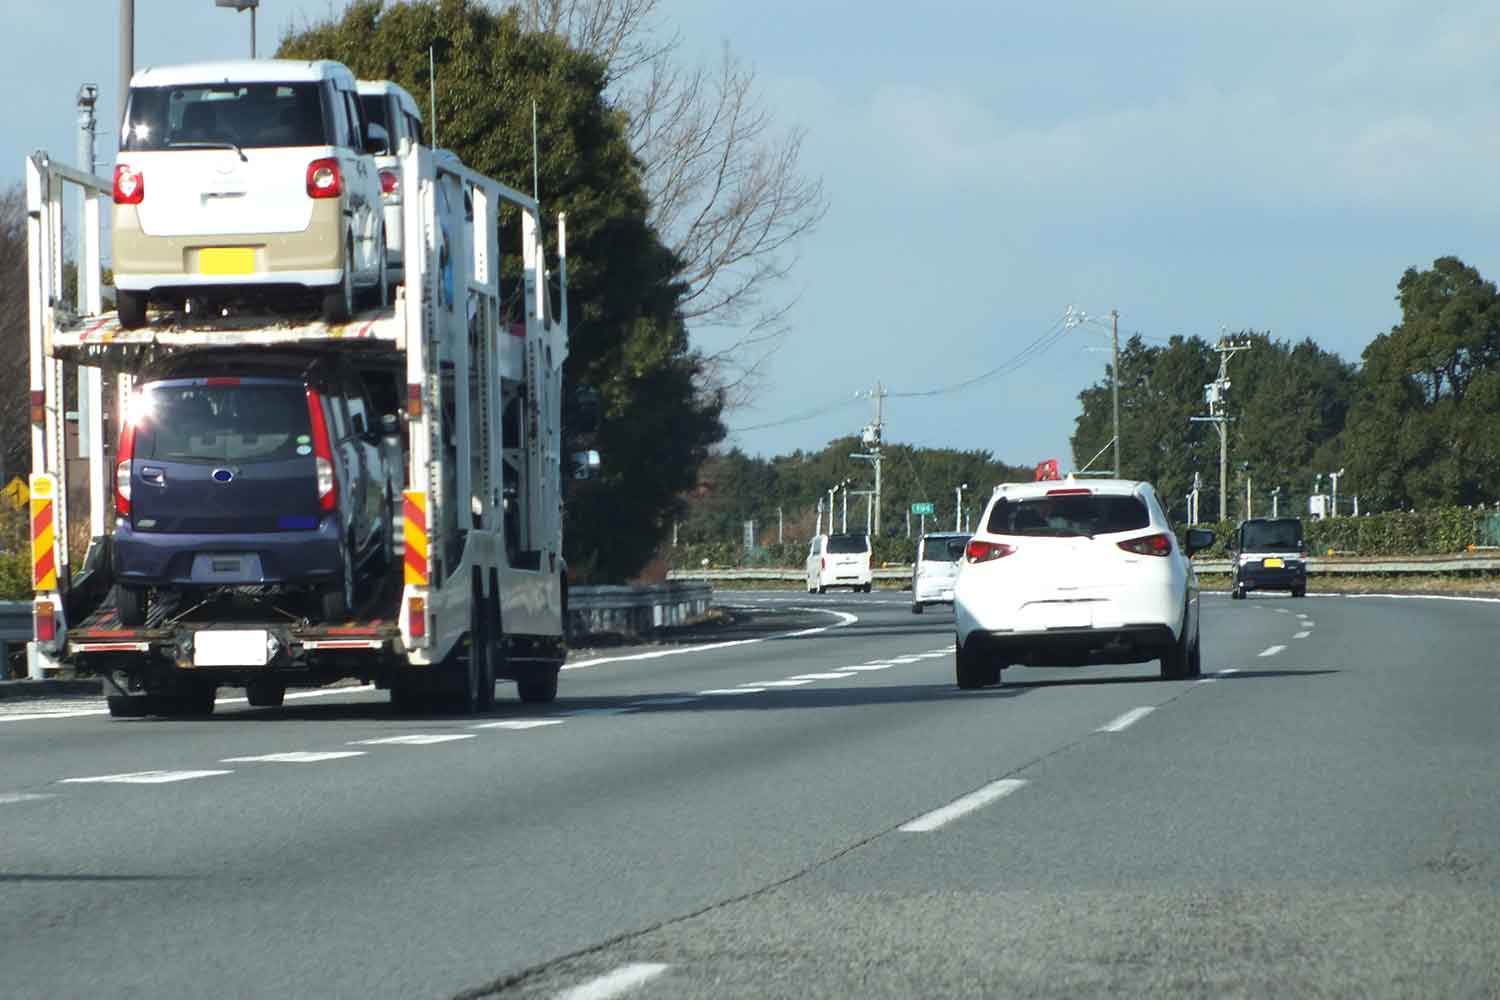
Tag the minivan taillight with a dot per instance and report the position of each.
(322, 452)
(1150, 545)
(979, 551)
(123, 456)
(390, 182)
(324, 179)
(130, 185)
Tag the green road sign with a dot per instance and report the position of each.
(921, 508)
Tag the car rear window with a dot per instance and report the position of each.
(248, 115)
(944, 549)
(843, 545)
(377, 112)
(1274, 535)
(1068, 515)
(222, 423)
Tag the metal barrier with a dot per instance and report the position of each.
(636, 610)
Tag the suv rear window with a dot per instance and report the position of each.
(222, 423)
(250, 115)
(943, 549)
(843, 545)
(1273, 535)
(1068, 516)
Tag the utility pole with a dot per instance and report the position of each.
(1333, 478)
(1114, 339)
(127, 54)
(1213, 394)
(780, 527)
(958, 508)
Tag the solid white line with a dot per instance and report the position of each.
(88, 712)
(832, 676)
(142, 777)
(616, 983)
(9, 798)
(72, 714)
(584, 712)
(871, 666)
(1271, 650)
(845, 619)
(648, 702)
(295, 757)
(959, 807)
(778, 684)
(744, 690)
(1301, 635)
(1127, 720)
(412, 740)
(519, 724)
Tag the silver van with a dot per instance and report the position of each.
(939, 555)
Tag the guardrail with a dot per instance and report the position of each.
(1316, 566)
(636, 610)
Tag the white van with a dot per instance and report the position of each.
(839, 561)
(395, 123)
(245, 173)
(935, 569)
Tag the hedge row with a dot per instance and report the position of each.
(1398, 533)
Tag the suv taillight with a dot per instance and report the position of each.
(123, 456)
(390, 183)
(130, 185)
(324, 179)
(1150, 545)
(979, 551)
(322, 452)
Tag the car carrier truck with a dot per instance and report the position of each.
(472, 366)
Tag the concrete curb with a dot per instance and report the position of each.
(51, 688)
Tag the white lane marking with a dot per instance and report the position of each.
(1127, 720)
(584, 712)
(1308, 623)
(10, 798)
(961, 806)
(295, 757)
(780, 684)
(1222, 673)
(299, 695)
(844, 619)
(1301, 635)
(412, 740)
(905, 659)
(831, 676)
(871, 666)
(33, 716)
(1302, 614)
(142, 778)
(1283, 611)
(648, 702)
(88, 712)
(743, 690)
(1271, 650)
(519, 724)
(616, 983)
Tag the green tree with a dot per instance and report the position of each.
(628, 342)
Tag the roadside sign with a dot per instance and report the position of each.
(16, 492)
(921, 508)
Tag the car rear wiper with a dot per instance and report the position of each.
(212, 145)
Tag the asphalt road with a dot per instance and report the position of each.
(808, 808)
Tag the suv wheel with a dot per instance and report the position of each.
(1174, 659)
(336, 599)
(131, 307)
(338, 300)
(971, 670)
(916, 608)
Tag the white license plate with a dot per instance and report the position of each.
(230, 648)
(1059, 615)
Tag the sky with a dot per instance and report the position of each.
(1197, 166)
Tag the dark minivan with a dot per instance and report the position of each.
(1269, 553)
(239, 469)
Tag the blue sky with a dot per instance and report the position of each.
(1197, 166)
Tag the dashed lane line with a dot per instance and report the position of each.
(616, 983)
(939, 818)
(1271, 650)
(1127, 720)
(1222, 673)
(1301, 635)
(13, 798)
(412, 740)
(519, 724)
(143, 778)
(295, 757)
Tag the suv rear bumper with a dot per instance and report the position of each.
(1075, 646)
(153, 558)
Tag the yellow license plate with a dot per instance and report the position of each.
(1274, 564)
(226, 260)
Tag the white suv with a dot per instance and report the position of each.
(1065, 573)
(839, 561)
(248, 173)
(395, 125)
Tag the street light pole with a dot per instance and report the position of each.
(241, 6)
(127, 54)
(1114, 339)
(959, 507)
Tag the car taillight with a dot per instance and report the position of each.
(324, 179)
(978, 551)
(130, 185)
(390, 182)
(123, 456)
(1151, 545)
(322, 452)
(822, 564)
(46, 621)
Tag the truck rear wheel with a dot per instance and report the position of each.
(537, 685)
(129, 706)
(265, 693)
